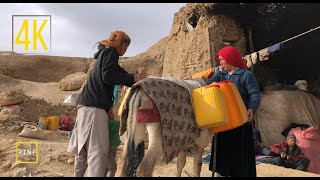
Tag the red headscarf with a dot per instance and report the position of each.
(232, 56)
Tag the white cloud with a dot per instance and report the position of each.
(77, 27)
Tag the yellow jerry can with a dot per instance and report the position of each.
(210, 107)
(53, 123)
(236, 109)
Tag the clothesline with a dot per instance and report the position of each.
(264, 53)
(313, 29)
(301, 34)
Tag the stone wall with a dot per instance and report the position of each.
(189, 52)
(224, 31)
(195, 37)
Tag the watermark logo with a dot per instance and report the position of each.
(27, 152)
(31, 34)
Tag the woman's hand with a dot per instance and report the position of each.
(250, 114)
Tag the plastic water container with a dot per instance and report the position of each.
(236, 109)
(210, 107)
(43, 123)
(54, 123)
(203, 74)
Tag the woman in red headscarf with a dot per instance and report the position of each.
(235, 148)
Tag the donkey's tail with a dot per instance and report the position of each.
(131, 156)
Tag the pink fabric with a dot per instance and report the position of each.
(309, 142)
(260, 157)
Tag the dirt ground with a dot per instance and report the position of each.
(54, 161)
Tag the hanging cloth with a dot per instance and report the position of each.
(263, 54)
(275, 47)
(254, 57)
(248, 59)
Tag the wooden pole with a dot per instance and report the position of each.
(251, 46)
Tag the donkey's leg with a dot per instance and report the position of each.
(181, 162)
(200, 143)
(138, 146)
(197, 160)
(154, 152)
(139, 133)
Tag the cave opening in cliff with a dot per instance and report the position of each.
(193, 20)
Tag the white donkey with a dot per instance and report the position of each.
(135, 161)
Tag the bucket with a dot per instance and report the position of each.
(54, 123)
